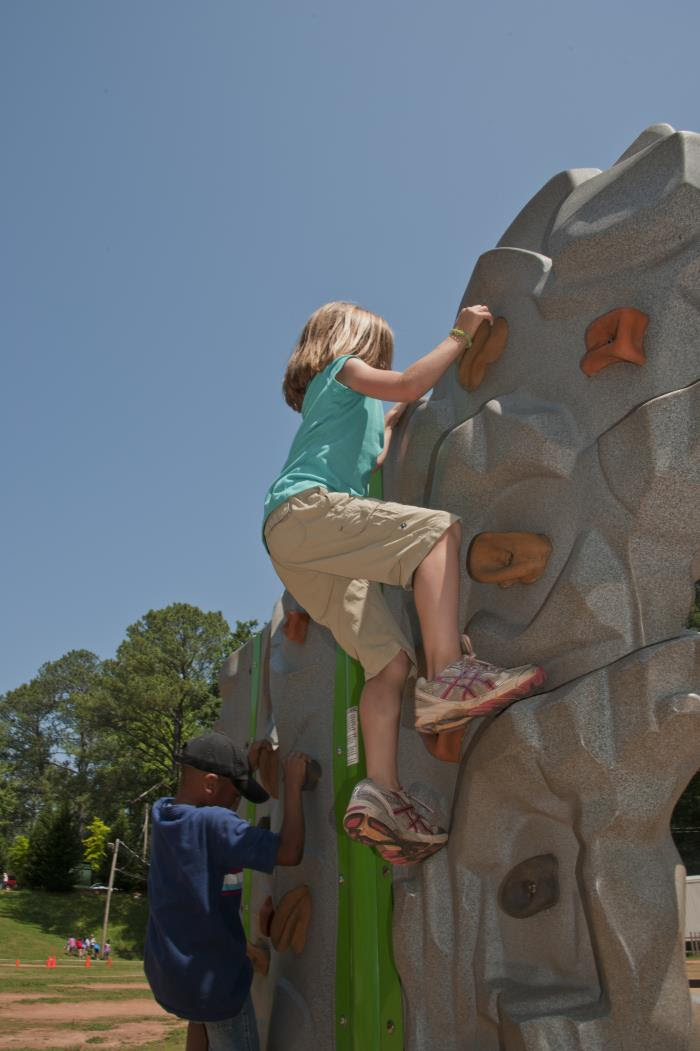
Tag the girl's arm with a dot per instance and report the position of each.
(419, 377)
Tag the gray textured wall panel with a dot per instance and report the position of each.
(588, 773)
(575, 786)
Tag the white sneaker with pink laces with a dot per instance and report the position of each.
(392, 822)
(469, 688)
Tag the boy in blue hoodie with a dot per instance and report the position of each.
(195, 958)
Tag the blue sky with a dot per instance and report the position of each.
(183, 183)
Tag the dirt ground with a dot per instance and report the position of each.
(126, 1034)
(84, 1011)
(136, 1021)
(8, 998)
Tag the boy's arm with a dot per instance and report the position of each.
(422, 375)
(291, 848)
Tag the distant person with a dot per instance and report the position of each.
(79, 946)
(106, 951)
(195, 958)
(5, 881)
(71, 946)
(95, 949)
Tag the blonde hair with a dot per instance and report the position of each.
(333, 330)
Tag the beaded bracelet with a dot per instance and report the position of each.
(458, 333)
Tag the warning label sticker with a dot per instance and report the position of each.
(351, 736)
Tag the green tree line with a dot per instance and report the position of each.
(87, 744)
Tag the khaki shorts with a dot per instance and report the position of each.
(332, 551)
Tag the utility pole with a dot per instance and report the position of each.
(144, 856)
(110, 885)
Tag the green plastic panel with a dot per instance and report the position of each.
(369, 1014)
(255, 684)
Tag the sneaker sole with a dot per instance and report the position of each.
(362, 827)
(490, 707)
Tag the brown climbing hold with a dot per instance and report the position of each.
(265, 916)
(255, 751)
(290, 922)
(269, 771)
(313, 775)
(488, 344)
(446, 746)
(296, 624)
(508, 558)
(531, 887)
(259, 957)
(615, 336)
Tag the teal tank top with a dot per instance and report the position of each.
(337, 444)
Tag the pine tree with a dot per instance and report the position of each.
(54, 850)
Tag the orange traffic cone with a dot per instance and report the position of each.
(109, 962)
(17, 963)
(88, 961)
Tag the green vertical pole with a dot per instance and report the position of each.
(369, 1013)
(255, 684)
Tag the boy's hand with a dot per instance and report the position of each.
(294, 767)
(470, 318)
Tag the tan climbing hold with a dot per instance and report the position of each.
(296, 624)
(487, 346)
(508, 558)
(259, 957)
(290, 922)
(615, 336)
(446, 747)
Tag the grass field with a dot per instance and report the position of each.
(73, 1006)
(34, 925)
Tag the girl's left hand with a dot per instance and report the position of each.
(394, 414)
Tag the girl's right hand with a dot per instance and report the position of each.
(470, 318)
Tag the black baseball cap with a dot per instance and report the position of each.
(217, 754)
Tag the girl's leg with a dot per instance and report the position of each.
(380, 711)
(436, 594)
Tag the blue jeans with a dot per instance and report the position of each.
(239, 1033)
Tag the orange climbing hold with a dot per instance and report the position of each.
(446, 746)
(508, 558)
(296, 624)
(290, 922)
(487, 346)
(259, 956)
(615, 336)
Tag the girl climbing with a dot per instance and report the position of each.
(332, 548)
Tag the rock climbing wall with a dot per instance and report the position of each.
(567, 440)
